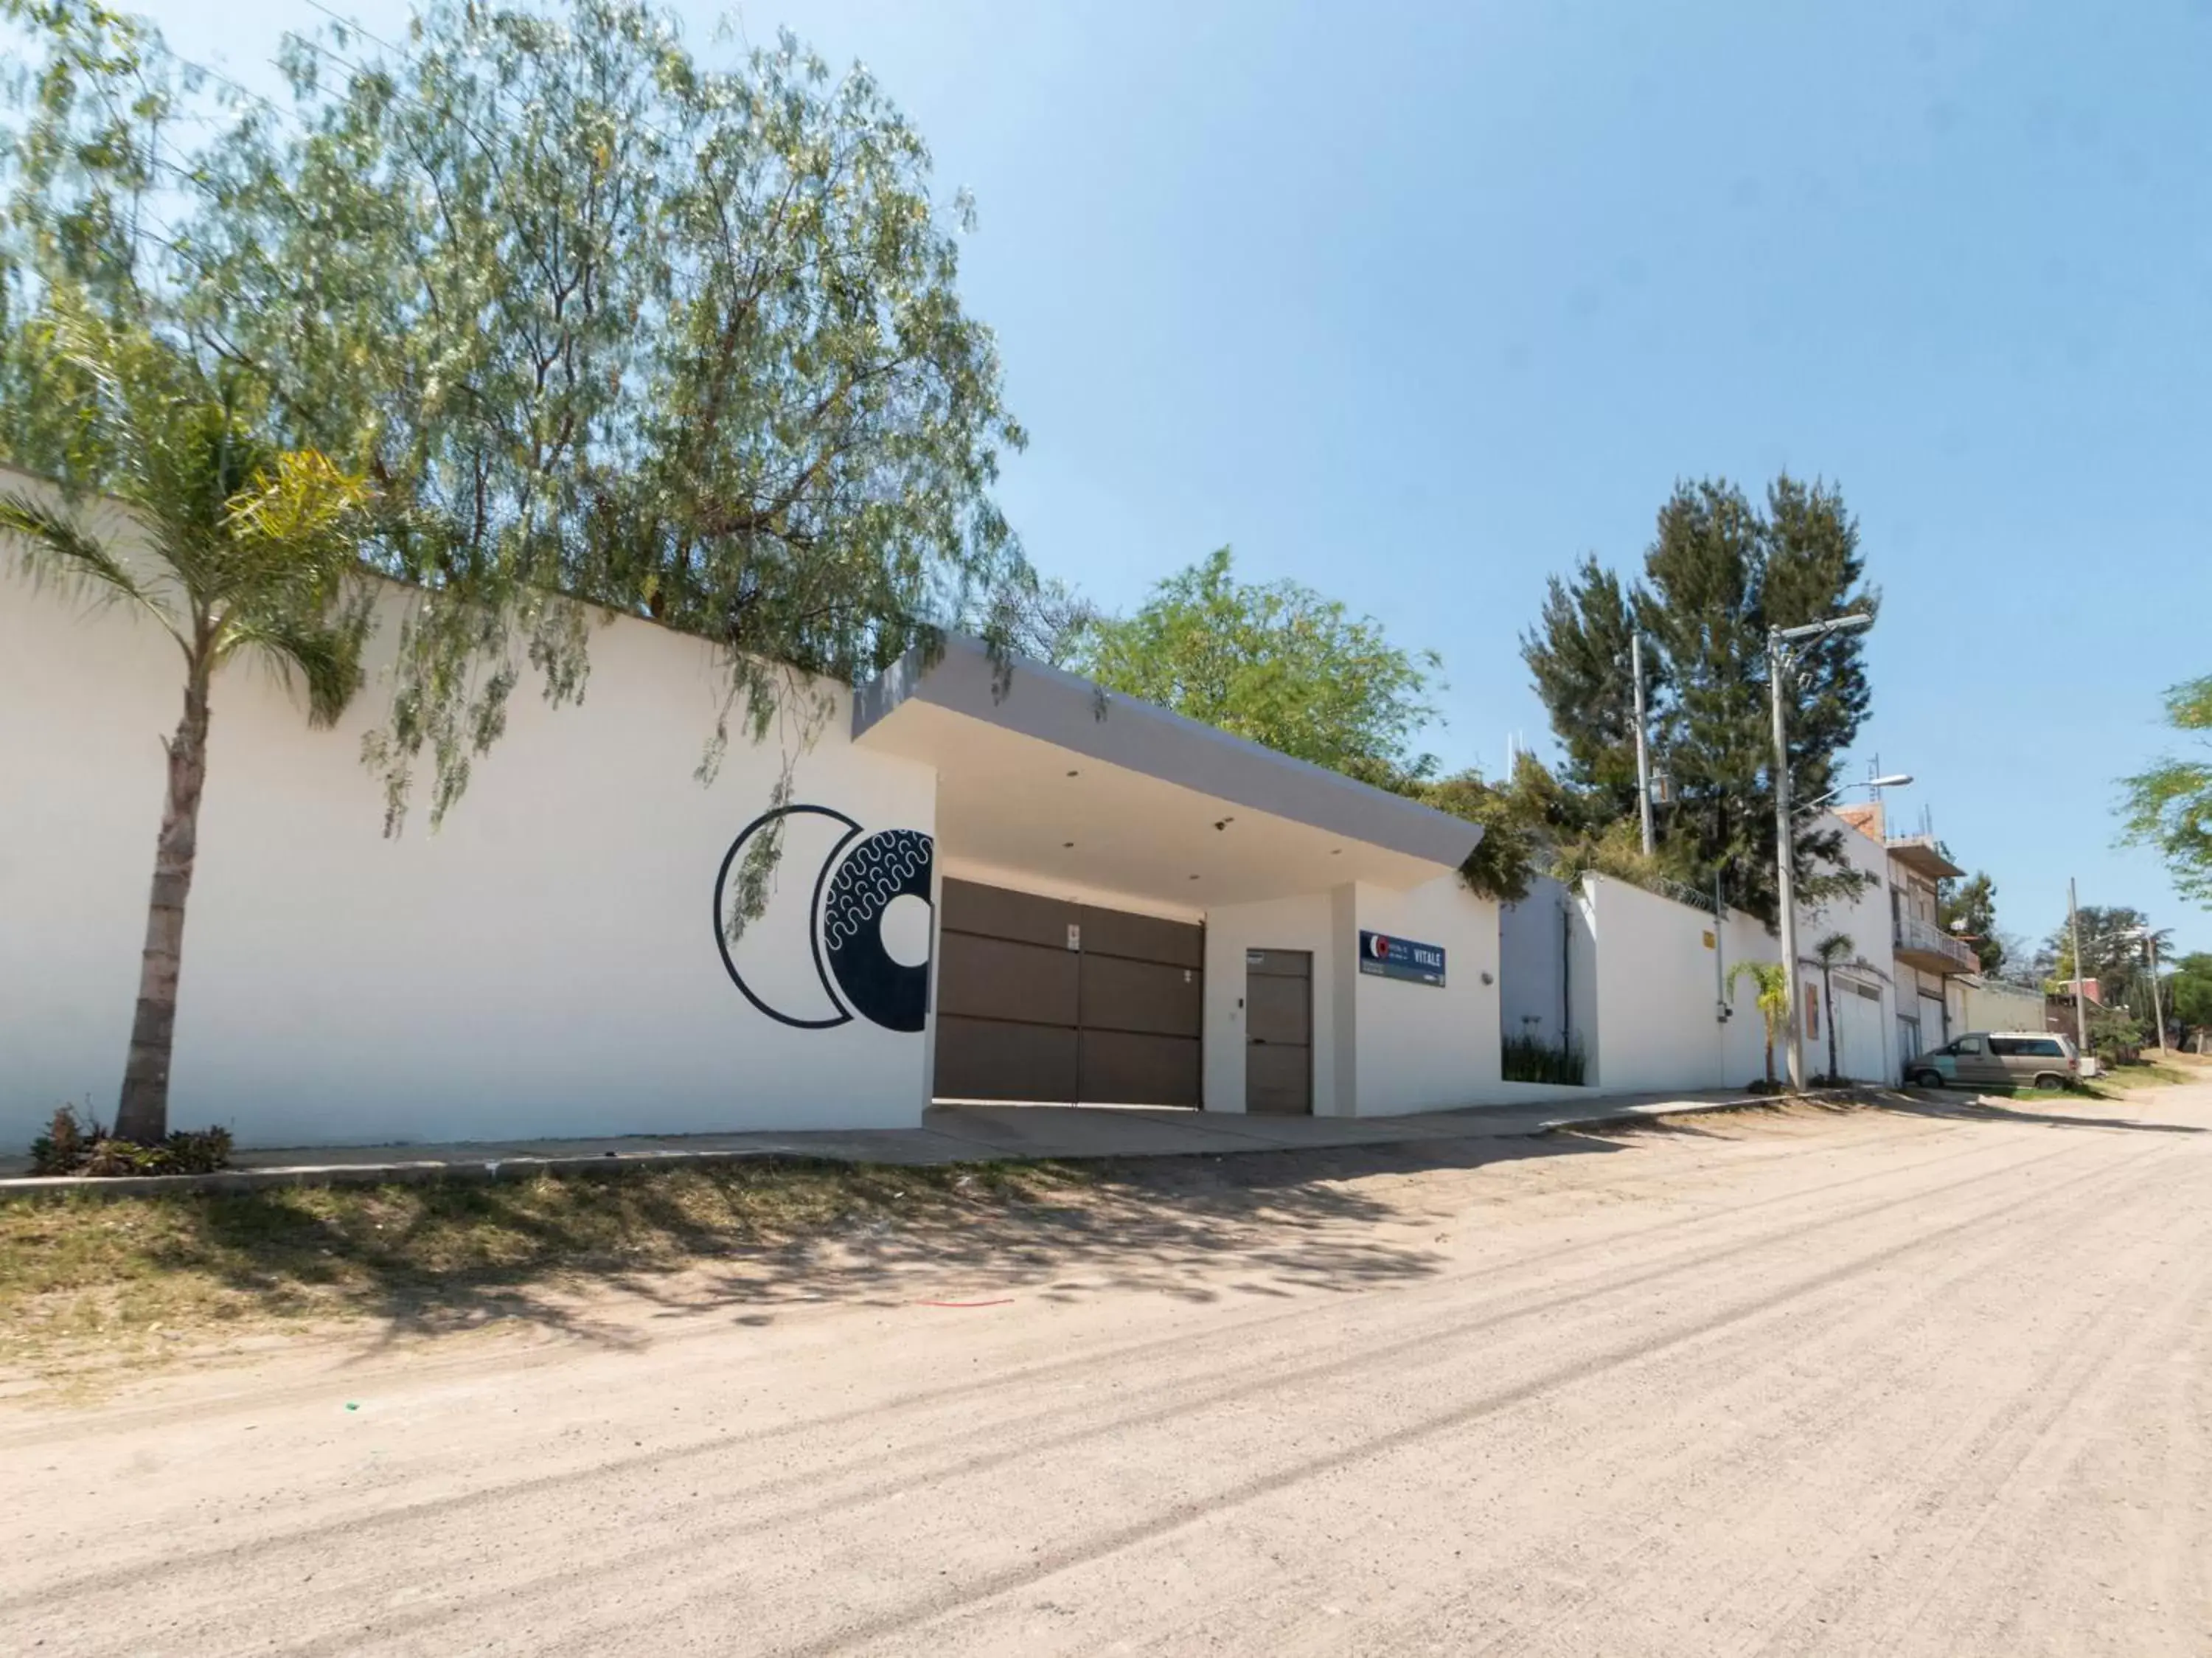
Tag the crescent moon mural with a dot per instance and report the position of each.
(860, 877)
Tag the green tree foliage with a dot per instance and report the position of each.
(2189, 991)
(79, 158)
(2170, 805)
(1719, 572)
(1970, 910)
(253, 553)
(1274, 661)
(2116, 1035)
(1530, 823)
(599, 320)
(2114, 951)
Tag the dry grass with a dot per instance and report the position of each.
(2169, 1070)
(79, 1273)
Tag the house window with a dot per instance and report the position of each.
(1811, 1012)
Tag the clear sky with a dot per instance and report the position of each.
(1418, 303)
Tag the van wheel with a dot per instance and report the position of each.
(1928, 1079)
(2049, 1082)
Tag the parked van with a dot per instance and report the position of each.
(1998, 1059)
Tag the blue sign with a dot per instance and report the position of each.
(1400, 958)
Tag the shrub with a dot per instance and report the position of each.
(80, 1145)
(1534, 1059)
(198, 1151)
(63, 1147)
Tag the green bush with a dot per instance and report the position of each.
(80, 1145)
(1533, 1059)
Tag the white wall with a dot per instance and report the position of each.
(1426, 1047)
(1303, 923)
(1657, 1028)
(1865, 920)
(1999, 1008)
(1531, 967)
(546, 965)
(1744, 1038)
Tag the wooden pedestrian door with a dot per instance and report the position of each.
(1279, 1032)
(1045, 1001)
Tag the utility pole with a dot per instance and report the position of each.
(1642, 749)
(1785, 856)
(1778, 641)
(2081, 996)
(2158, 1011)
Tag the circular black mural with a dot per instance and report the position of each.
(847, 900)
(891, 863)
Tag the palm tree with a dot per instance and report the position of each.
(1773, 987)
(247, 548)
(1831, 952)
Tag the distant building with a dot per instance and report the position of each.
(1932, 965)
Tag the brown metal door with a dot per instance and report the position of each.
(1279, 1032)
(1006, 996)
(1143, 1007)
(1039, 999)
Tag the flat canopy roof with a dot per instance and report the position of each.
(1050, 775)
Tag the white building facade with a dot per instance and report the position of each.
(1148, 911)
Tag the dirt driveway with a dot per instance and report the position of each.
(1930, 1382)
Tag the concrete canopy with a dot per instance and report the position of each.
(1044, 776)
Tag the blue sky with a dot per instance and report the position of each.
(1418, 304)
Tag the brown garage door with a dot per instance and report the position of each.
(1041, 999)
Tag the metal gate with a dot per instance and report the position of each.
(1041, 999)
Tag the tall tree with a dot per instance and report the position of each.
(2169, 807)
(2116, 942)
(1719, 573)
(1969, 908)
(252, 551)
(2190, 989)
(1274, 661)
(600, 320)
(1580, 655)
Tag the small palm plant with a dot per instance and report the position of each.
(248, 549)
(1773, 987)
(1832, 952)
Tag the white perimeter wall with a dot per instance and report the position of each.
(1422, 1047)
(2000, 1007)
(1532, 935)
(545, 964)
(1654, 1012)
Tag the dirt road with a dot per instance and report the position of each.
(1865, 1383)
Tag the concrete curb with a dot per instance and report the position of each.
(525, 1165)
(1635, 1115)
(482, 1171)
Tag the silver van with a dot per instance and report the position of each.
(1998, 1059)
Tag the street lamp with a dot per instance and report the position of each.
(1894, 780)
(1778, 664)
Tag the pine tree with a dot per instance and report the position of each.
(1719, 572)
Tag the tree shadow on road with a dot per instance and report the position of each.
(1989, 1108)
(755, 1237)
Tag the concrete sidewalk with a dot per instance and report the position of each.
(949, 1134)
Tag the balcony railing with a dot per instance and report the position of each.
(1924, 945)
